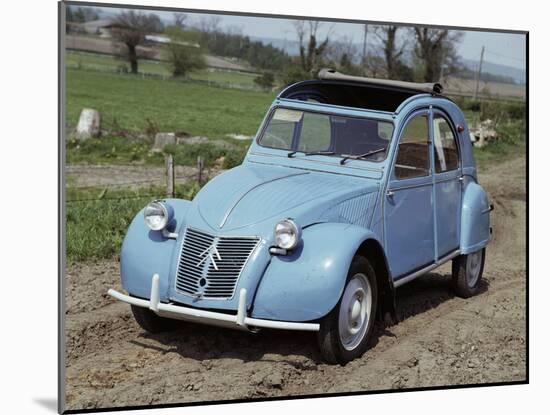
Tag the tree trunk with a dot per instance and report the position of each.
(132, 57)
(390, 52)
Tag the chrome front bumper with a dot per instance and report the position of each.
(238, 321)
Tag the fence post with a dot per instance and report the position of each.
(170, 191)
(200, 167)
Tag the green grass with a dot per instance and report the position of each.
(128, 101)
(95, 228)
(128, 150)
(112, 150)
(512, 143)
(244, 80)
(93, 61)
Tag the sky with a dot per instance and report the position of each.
(500, 48)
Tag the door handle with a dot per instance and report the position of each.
(461, 178)
(390, 193)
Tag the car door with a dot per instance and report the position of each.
(409, 201)
(447, 184)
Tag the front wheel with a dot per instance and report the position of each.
(467, 273)
(345, 332)
(151, 322)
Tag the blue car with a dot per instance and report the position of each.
(351, 188)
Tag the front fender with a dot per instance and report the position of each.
(146, 252)
(475, 222)
(307, 283)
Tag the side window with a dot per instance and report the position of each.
(413, 157)
(445, 148)
(315, 135)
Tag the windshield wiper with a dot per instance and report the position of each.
(360, 156)
(319, 153)
(312, 153)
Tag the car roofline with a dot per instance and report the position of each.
(333, 108)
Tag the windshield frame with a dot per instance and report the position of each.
(324, 111)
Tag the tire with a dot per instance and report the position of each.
(467, 273)
(340, 341)
(152, 323)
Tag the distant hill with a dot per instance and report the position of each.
(518, 75)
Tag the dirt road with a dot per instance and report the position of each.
(441, 340)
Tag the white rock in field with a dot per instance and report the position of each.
(240, 137)
(162, 139)
(192, 140)
(89, 124)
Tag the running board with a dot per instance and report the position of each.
(416, 274)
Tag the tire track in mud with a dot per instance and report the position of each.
(441, 339)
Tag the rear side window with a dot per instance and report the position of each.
(413, 157)
(445, 147)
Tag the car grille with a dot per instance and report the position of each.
(210, 266)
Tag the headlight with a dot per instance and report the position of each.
(287, 234)
(156, 215)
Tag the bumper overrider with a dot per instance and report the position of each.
(236, 321)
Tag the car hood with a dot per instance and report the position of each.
(249, 194)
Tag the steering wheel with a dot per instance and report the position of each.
(282, 143)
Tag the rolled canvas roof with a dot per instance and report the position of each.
(430, 88)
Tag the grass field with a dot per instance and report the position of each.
(129, 101)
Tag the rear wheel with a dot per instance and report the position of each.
(345, 332)
(151, 322)
(467, 273)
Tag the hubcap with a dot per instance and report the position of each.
(355, 311)
(473, 267)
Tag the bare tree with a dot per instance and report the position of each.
(130, 28)
(392, 49)
(375, 66)
(82, 14)
(210, 24)
(312, 52)
(435, 48)
(179, 20)
(345, 55)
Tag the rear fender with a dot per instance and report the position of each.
(307, 283)
(475, 222)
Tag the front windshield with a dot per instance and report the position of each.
(312, 132)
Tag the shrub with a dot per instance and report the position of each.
(187, 154)
(110, 149)
(234, 158)
(295, 74)
(265, 81)
(183, 55)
